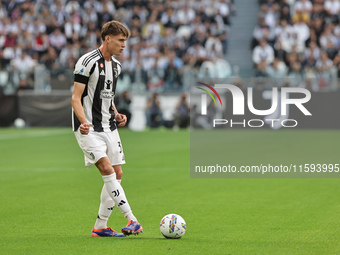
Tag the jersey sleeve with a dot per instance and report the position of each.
(82, 71)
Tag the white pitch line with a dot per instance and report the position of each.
(47, 169)
(33, 134)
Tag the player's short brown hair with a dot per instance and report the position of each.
(114, 28)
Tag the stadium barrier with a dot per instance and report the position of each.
(54, 108)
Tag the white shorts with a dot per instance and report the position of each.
(97, 145)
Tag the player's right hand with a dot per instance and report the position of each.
(84, 128)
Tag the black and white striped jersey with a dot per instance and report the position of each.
(100, 79)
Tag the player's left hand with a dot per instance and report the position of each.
(121, 118)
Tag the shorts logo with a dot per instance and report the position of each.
(92, 155)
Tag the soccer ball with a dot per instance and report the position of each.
(19, 123)
(173, 226)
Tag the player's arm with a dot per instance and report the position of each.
(78, 109)
(121, 118)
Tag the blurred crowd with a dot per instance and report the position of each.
(168, 38)
(298, 40)
(154, 111)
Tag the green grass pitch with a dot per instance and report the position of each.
(49, 200)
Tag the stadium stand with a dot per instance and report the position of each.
(169, 40)
(304, 36)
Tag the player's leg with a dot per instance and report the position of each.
(133, 226)
(117, 193)
(106, 205)
(94, 148)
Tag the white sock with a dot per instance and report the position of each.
(105, 209)
(117, 193)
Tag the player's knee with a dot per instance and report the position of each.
(119, 174)
(105, 169)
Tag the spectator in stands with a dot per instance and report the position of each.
(106, 14)
(283, 31)
(41, 44)
(262, 31)
(153, 28)
(318, 27)
(72, 29)
(58, 11)
(22, 68)
(154, 114)
(46, 16)
(277, 72)
(327, 38)
(172, 74)
(10, 39)
(332, 8)
(222, 67)
(49, 58)
(23, 85)
(263, 56)
(54, 23)
(223, 10)
(303, 9)
(213, 46)
(314, 25)
(69, 52)
(197, 53)
(182, 112)
(185, 15)
(217, 67)
(36, 27)
(57, 40)
(155, 73)
(285, 13)
(3, 11)
(301, 30)
(279, 50)
(336, 64)
(318, 11)
(206, 71)
(294, 44)
(296, 75)
(311, 55)
(23, 63)
(169, 18)
(270, 14)
(25, 39)
(324, 68)
(122, 102)
(9, 53)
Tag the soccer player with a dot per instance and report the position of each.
(95, 119)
